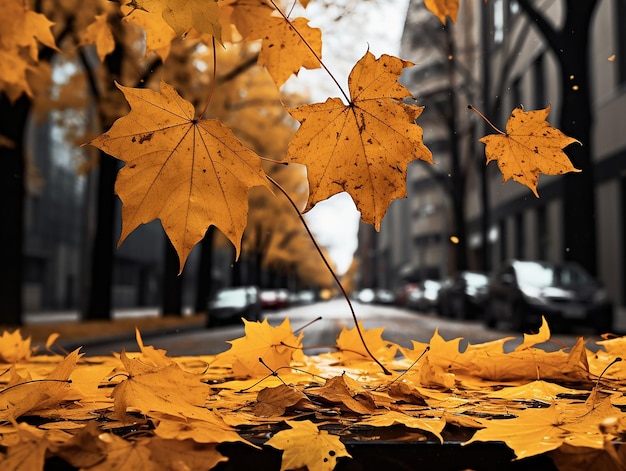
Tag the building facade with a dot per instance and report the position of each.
(497, 60)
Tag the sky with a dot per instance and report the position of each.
(375, 27)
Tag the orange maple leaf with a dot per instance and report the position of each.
(187, 172)
(283, 52)
(306, 445)
(363, 147)
(443, 8)
(529, 147)
(99, 33)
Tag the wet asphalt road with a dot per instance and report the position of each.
(401, 326)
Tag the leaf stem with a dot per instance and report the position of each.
(332, 272)
(318, 58)
(471, 107)
(212, 88)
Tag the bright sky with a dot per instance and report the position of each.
(373, 25)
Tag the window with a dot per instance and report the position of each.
(498, 21)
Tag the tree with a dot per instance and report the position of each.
(570, 45)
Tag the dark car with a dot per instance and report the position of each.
(229, 304)
(463, 295)
(520, 292)
(424, 297)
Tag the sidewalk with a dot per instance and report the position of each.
(149, 321)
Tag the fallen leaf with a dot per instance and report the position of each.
(275, 345)
(186, 172)
(306, 445)
(184, 454)
(529, 147)
(166, 389)
(273, 402)
(343, 390)
(364, 147)
(14, 347)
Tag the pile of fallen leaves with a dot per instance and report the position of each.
(145, 410)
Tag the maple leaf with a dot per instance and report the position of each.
(283, 52)
(21, 32)
(275, 401)
(347, 392)
(443, 8)
(28, 453)
(189, 173)
(13, 347)
(434, 426)
(529, 147)
(184, 454)
(306, 445)
(351, 346)
(182, 15)
(159, 34)
(363, 147)
(99, 33)
(125, 454)
(573, 424)
(275, 345)
(26, 396)
(159, 388)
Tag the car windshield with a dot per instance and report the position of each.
(543, 275)
(231, 297)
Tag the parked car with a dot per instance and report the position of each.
(229, 304)
(275, 298)
(520, 292)
(424, 297)
(463, 295)
(384, 296)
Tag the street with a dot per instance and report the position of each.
(401, 326)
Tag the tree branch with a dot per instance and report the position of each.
(551, 35)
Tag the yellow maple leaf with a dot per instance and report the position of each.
(25, 395)
(159, 34)
(29, 452)
(432, 425)
(275, 345)
(182, 15)
(166, 389)
(306, 445)
(443, 8)
(537, 431)
(529, 147)
(21, 32)
(99, 33)
(188, 173)
(13, 347)
(283, 52)
(351, 346)
(363, 147)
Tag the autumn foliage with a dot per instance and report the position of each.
(190, 166)
(151, 411)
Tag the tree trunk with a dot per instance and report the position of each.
(576, 120)
(205, 269)
(172, 282)
(12, 126)
(98, 305)
(571, 47)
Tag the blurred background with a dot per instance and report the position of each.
(458, 232)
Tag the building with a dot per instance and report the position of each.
(500, 61)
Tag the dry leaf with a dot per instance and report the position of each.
(443, 8)
(530, 146)
(186, 172)
(363, 147)
(306, 445)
